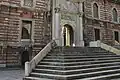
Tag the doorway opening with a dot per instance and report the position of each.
(116, 36)
(97, 34)
(68, 35)
(24, 58)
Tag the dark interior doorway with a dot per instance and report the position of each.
(24, 58)
(68, 35)
(97, 34)
(116, 34)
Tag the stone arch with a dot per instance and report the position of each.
(68, 35)
(25, 33)
(95, 10)
(71, 23)
(73, 26)
(114, 14)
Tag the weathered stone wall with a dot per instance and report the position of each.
(105, 21)
(11, 16)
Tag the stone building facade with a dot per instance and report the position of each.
(86, 20)
(26, 26)
(24, 30)
(106, 26)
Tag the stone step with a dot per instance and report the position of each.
(78, 53)
(94, 74)
(76, 66)
(83, 59)
(48, 76)
(80, 50)
(35, 78)
(75, 57)
(104, 77)
(75, 76)
(77, 63)
(81, 55)
(76, 71)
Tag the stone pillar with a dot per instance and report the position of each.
(56, 23)
(57, 28)
(53, 19)
(81, 42)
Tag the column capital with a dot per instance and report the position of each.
(57, 10)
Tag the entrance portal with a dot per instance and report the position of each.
(68, 35)
(24, 58)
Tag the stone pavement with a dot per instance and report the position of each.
(11, 74)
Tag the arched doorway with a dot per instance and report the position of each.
(68, 35)
(24, 58)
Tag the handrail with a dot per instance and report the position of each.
(31, 65)
(104, 46)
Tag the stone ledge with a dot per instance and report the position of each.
(2, 65)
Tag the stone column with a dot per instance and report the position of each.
(56, 23)
(57, 27)
(81, 42)
(53, 19)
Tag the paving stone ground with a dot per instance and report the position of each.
(11, 74)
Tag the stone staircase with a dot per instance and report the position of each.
(74, 63)
(117, 46)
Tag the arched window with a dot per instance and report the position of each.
(25, 33)
(95, 11)
(114, 15)
(26, 29)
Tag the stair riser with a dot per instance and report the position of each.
(110, 78)
(76, 60)
(80, 61)
(93, 75)
(28, 79)
(73, 68)
(76, 72)
(79, 50)
(76, 57)
(75, 77)
(48, 77)
(76, 64)
(79, 54)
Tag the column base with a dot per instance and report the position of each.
(80, 44)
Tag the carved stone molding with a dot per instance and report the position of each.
(57, 10)
(80, 14)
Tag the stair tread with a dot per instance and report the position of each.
(79, 62)
(99, 77)
(36, 78)
(72, 75)
(78, 69)
(85, 58)
(81, 65)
